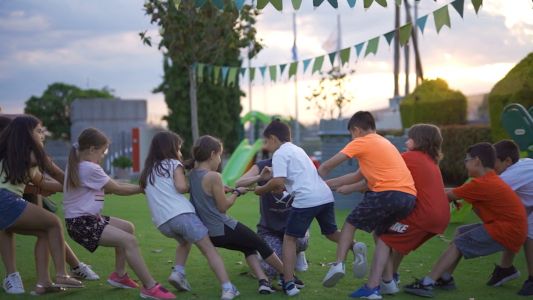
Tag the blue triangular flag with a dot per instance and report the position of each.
(243, 71)
(200, 3)
(459, 6)
(225, 73)
(218, 3)
(359, 48)
(351, 3)
(421, 23)
(334, 3)
(306, 63)
(281, 68)
(332, 58)
(239, 4)
(389, 36)
(263, 70)
(316, 3)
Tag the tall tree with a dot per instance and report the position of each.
(53, 106)
(211, 36)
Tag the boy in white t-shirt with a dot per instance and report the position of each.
(294, 171)
(518, 174)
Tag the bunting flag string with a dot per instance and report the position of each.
(228, 75)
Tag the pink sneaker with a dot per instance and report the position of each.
(124, 282)
(156, 292)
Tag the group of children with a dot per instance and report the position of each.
(404, 205)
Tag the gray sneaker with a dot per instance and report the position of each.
(179, 281)
(230, 293)
(335, 273)
(359, 260)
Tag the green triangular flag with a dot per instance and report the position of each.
(218, 4)
(372, 46)
(292, 69)
(232, 76)
(272, 70)
(459, 6)
(278, 4)
(316, 3)
(200, 72)
(359, 48)
(296, 4)
(216, 74)
(281, 69)
(317, 65)
(382, 2)
(332, 58)
(262, 3)
(177, 4)
(367, 3)
(399, 2)
(477, 4)
(251, 74)
(405, 33)
(442, 17)
(389, 36)
(345, 55)
(334, 3)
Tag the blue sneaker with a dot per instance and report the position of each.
(365, 292)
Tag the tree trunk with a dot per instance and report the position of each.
(194, 102)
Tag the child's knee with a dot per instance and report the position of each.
(129, 227)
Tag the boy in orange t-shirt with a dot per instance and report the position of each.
(503, 215)
(390, 198)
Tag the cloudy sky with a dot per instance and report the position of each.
(95, 43)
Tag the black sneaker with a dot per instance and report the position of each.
(445, 284)
(265, 287)
(419, 289)
(501, 275)
(527, 288)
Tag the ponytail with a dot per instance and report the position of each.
(73, 176)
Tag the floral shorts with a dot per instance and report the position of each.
(87, 230)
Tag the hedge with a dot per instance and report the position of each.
(515, 87)
(456, 139)
(433, 102)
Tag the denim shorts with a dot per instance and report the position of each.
(184, 228)
(300, 219)
(473, 240)
(11, 208)
(380, 210)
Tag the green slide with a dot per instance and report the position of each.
(518, 123)
(239, 161)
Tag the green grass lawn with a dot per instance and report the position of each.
(158, 252)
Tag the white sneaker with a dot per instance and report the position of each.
(388, 288)
(359, 260)
(301, 262)
(84, 271)
(335, 273)
(13, 284)
(230, 293)
(179, 281)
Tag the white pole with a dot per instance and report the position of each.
(295, 58)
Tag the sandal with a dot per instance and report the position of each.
(42, 290)
(66, 281)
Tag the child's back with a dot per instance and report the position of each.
(302, 179)
(381, 164)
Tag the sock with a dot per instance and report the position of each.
(446, 276)
(76, 267)
(427, 281)
(386, 282)
(180, 269)
(227, 285)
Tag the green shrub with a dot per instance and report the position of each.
(122, 162)
(515, 87)
(456, 139)
(433, 102)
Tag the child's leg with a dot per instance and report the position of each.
(120, 253)
(127, 243)
(528, 252)
(182, 252)
(213, 258)
(447, 262)
(72, 259)
(379, 262)
(274, 241)
(289, 257)
(7, 250)
(345, 241)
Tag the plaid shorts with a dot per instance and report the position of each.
(87, 230)
(380, 210)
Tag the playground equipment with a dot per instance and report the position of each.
(518, 123)
(243, 157)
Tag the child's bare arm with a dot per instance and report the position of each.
(351, 188)
(349, 178)
(249, 178)
(123, 189)
(42, 183)
(276, 184)
(180, 182)
(331, 163)
(216, 187)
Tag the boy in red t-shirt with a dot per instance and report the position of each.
(503, 215)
